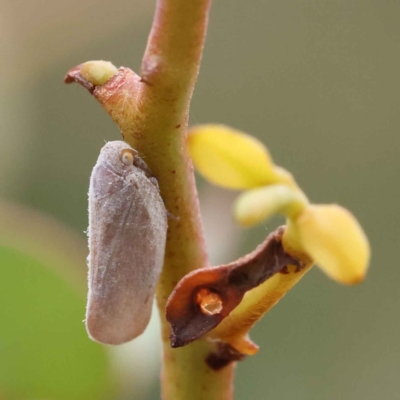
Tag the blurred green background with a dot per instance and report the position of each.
(316, 80)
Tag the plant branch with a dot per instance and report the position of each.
(152, 111)
(169, 72)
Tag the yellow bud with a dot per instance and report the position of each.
(257, 205)
(333, 238)
(230, 158)
(98, 72)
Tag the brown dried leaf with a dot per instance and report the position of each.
(203, 298)
(74, 75)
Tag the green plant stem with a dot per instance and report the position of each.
(158, 131)
(152, 111)
(186, 376)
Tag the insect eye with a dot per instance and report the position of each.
(127, 157)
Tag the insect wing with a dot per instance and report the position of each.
(127, 233)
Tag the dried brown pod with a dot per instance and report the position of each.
(203, 298)
(127, 234)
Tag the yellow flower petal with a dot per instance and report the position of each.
(230, 158)
(334, 239)
(256, 205)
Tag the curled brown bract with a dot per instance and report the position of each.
(221, 289)
(74, 75)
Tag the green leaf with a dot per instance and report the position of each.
(44, 349)
(45, 352)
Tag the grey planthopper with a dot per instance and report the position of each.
(127, 234)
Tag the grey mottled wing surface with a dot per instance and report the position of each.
(127, 233)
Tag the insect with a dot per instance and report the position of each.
(127, 234)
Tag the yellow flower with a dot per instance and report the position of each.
(335, 241)
(221, 155)
(328, 234)
(227, 300)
